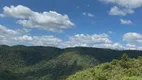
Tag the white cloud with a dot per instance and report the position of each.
(131, 45)
(87, 14)
(90, 15)
(6, 35)
(125, 6)
(111, 46)
(87, 40)
(13, 37)
(23, 38)
(5, 31)
(126, 3)
(94, 38)
(46, 41)
(139, 48)
(125, 21)
(120, 12)
(133, 38)
(103, 41)
(17, 12)
(51, 21)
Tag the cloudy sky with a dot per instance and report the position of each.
(115, 24)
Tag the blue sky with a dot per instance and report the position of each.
(112, 24)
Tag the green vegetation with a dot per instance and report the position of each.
(124, 69)
(49, 63)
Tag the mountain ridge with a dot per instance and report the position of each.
(51, 63)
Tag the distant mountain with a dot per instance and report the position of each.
(50, 63)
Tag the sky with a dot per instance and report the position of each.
(114, 24)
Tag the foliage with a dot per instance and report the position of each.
(7, 75)
(124, 69)
(50, 63)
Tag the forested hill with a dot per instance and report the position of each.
(50, 63)
(124, 69)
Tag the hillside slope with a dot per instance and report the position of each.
(49, 63)
(124, 69)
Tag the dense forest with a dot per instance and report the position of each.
(50, 63)
(123, 69)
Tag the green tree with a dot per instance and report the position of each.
(124, 57)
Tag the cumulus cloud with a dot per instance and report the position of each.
(126, 3)
(6, 35)
(46, 41)
(125, 21)
(131, 46)
(111, 46)
(120, 12)
(94, 38)
(51, 21)
(102, 41)
(87, 40)
(23, 38)
(133, 38)
(14, 37)
(17, 12)
(125, 6)
(6, 31)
